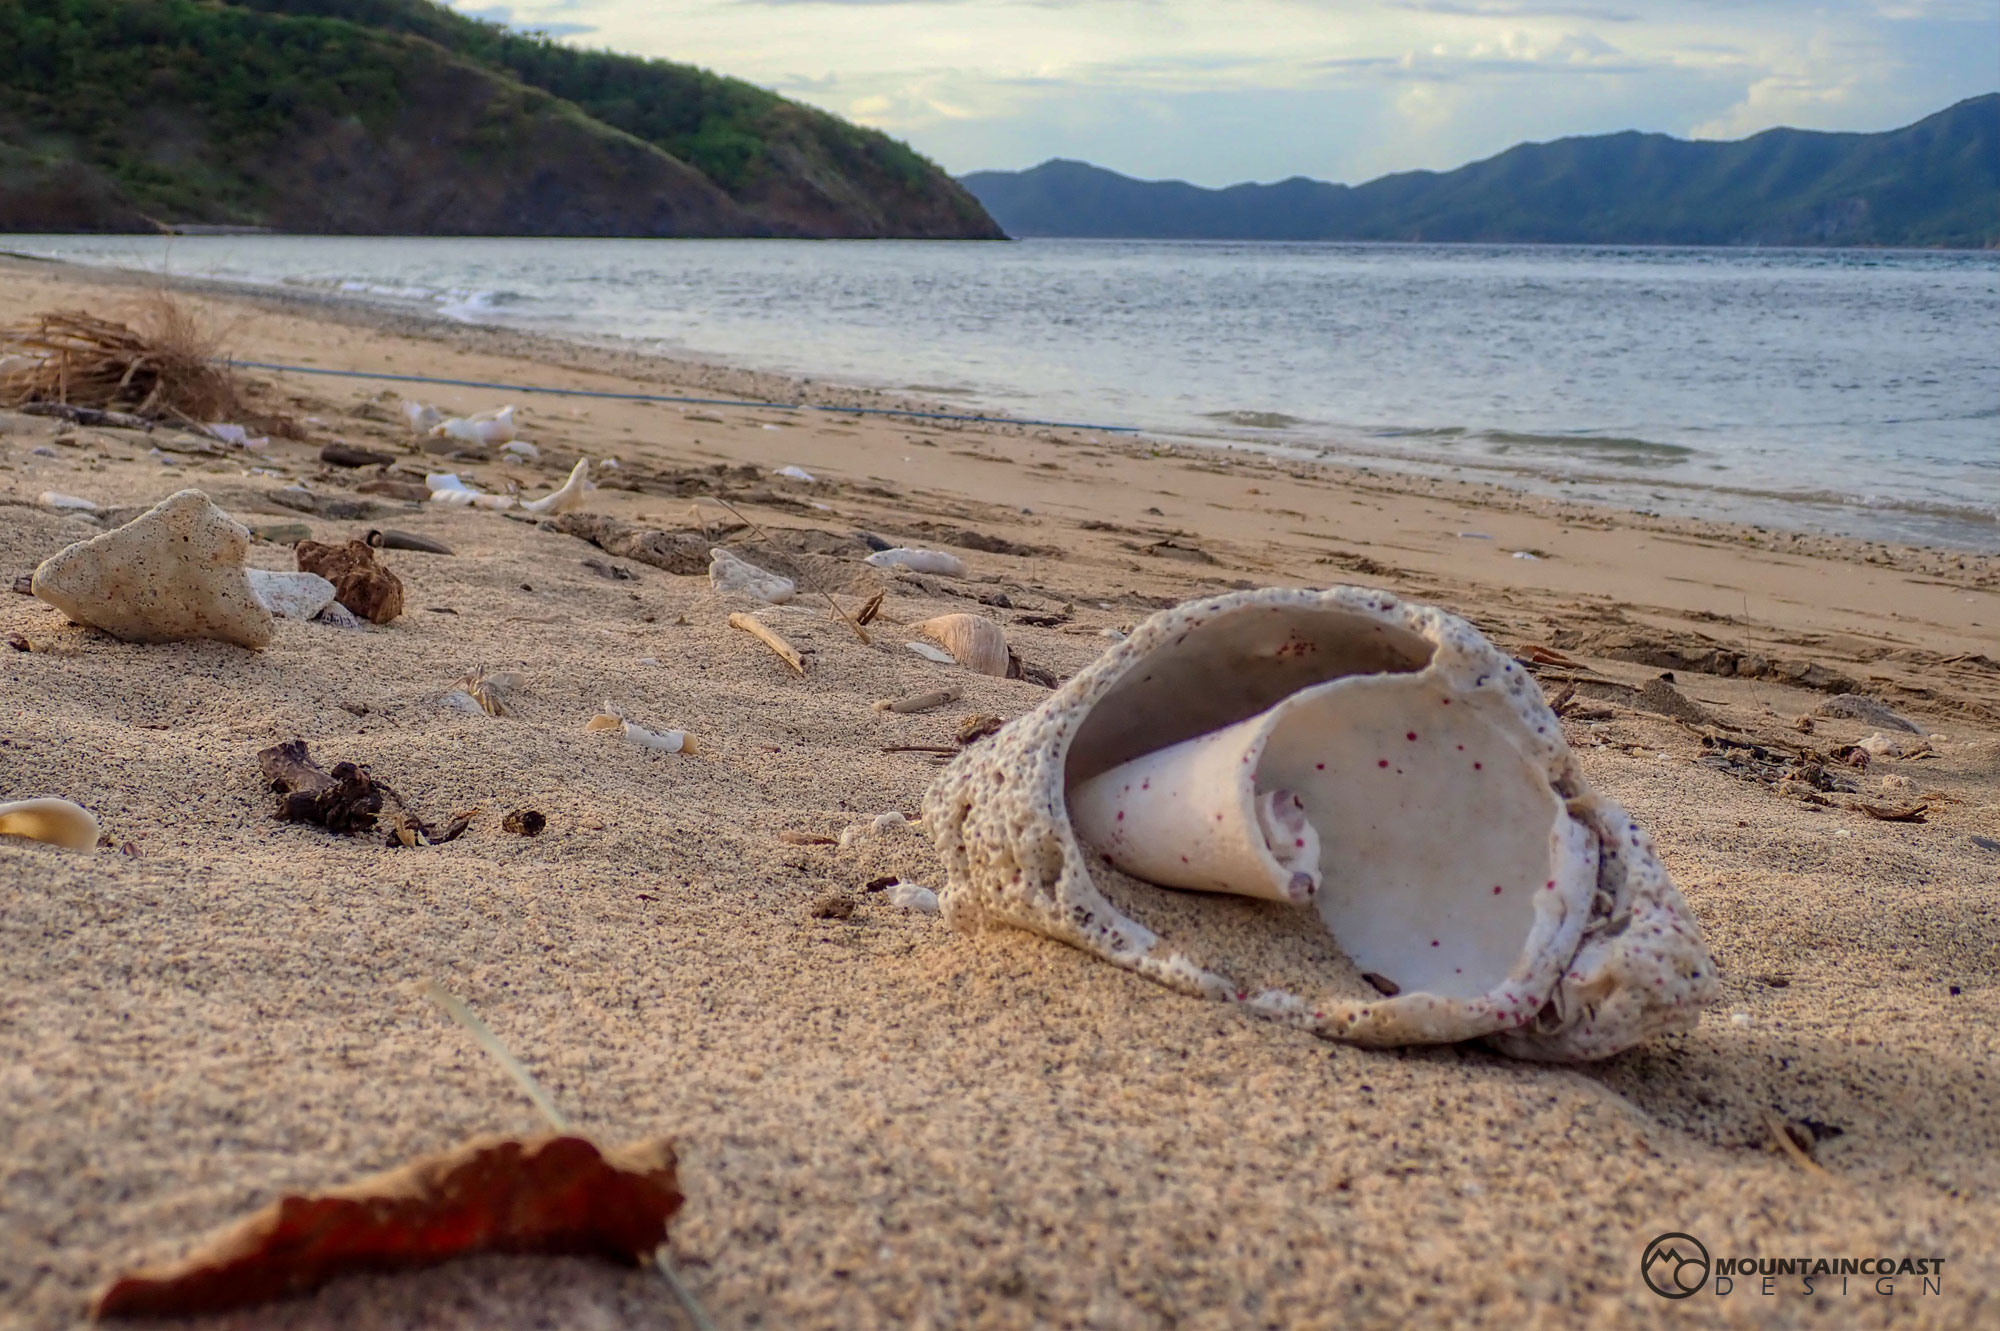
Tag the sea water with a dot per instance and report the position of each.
(1851, 391)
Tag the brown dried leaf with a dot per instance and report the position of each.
(554, 1194)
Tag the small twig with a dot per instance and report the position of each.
(919, 748)
(487, 1040)
(763, 633)
(1791, 1148)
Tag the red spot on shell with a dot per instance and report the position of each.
(1383, 763)
(1121, 815)
(1434, 942)
(1320, 766)
(1412, 737)
(1496, 891)
(1301, 843)
(1552, 885)
(1479, 767)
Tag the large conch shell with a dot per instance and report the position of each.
(1388, 840)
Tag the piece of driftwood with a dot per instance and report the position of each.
(919, 702)
(346, 799)
(769, 637)
(402, 540)
(346, 455)
(91, 416)
(681, 552)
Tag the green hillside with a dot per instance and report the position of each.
(399, 116)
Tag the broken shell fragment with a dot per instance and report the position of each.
(297, 596)
(980, 645)
(57, 822)
(727, 573)
(570, 497)
(672, 741)
(919, 561)
(1353, 787)
(172, 573)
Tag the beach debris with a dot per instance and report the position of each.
(912, 896)
(166, 366)
(792, 837)
(1527, 554)
(831, 906)
(869, 609)
(573, 494)
(487, 428)
(1879, 745)
(1892, 813)
(977, 643)
(524, 822)
(388, 487)
(727, 573)
(794, 473)
(360, 582)
(972, 729)
(346, 455)
(19, 642)
(55, 821)
(402, 540)
(522, 449)
(297, 596)
(339, 616)
(770, 638)
(175, 572)
(447, 489)
(881, 824)
(281, 533)
(65, 503)
(919, 561)
(682, 552)
(1463, 855)
(421, 417)
(613, 572)
(491, 691)
(920, 702)
(671, 741)
(555, 1194)
(1869, 711)
(236, 436)
(930, 653)
(343, 800)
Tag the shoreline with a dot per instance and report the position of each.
(1935, 522)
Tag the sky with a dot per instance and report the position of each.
(1222, 91)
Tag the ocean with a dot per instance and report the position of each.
(1846, 391)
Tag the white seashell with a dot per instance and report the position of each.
(930, 653)
(570, 497)
(488, 428)
(237, 436)
(978, 644)
(55, 821)
(888, 822)
(421, 417)
(919, 561)
(795, 473)
(727, 573)
(1879, 745)
(521, 448)
(291, 595)
(440, 481)
(912, 896)
(461, 701)
(672, 741)
(1462, 860)
(63, 503)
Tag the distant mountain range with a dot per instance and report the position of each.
(402, 117)
(1934, 183)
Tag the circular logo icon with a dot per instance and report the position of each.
(1674, 1265)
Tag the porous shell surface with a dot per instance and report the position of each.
(174, 572)
(1600, 969)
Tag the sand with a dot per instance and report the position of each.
(881, 1122)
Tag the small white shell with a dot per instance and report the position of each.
(297, 596)
(421, 417)
(55, 821)
(919, 561)
(63, 503)
(727, 573)
(794, 473)
(930, 653)
(976, 643)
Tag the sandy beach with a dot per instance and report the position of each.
(882, 1122)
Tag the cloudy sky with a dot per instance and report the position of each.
(1219, 91)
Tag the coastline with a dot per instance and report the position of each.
(883, 1122)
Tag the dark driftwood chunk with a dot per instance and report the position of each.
(346, 455)
(343, 800)
(359, 583)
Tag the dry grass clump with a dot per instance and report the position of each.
(165, 367)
